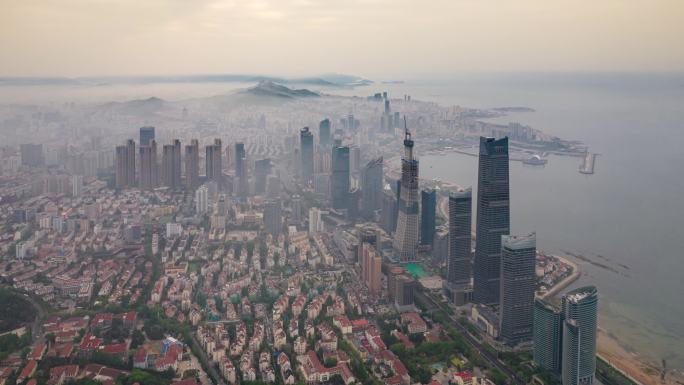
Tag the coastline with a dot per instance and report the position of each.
(630, 363)
(609, 348)
(576, 272)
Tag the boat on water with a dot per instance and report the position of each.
(535, 160)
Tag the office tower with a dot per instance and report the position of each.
(406, 235)
(339, 184)
(324, 133)
(548, 332)
(428, 206)
(296, 209)
(371, 187)
(192, 165)
(213, 162)
(393, 273)
(273, 222)
(459, 250)
(262, 167)
(306, 141)
(241, 170)
(171, 164)
(493, 218)
(148, 165)
(32, 155)
(76, 185)
(202, 199)
(580, 311)
(146, 135)
(315, 221)
(518, 281)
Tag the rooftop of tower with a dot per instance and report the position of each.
(580, 294)
(517, 242)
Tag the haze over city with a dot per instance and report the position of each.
(375, 38)
(362, 192)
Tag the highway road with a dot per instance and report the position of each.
(470, 340)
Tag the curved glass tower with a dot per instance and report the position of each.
(548, 325)
(580, 310)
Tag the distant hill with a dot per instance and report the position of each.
(137, 107)
(268, 88)
(326, 80)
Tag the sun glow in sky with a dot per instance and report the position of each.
(380, 38)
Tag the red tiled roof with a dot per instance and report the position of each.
(114, 348)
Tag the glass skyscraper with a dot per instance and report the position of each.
(460, 219)
(146, 135)
(306, 141)
(371, 187)
(340, 184)
(324, 133)
(565, 336)
(428, 205)
(548, 334)
(518, 282)
(580, 310)
(493, 218)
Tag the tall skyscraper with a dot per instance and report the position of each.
(148, 165)
(459, 250)
(518, 282)
(125, 165)
(241, 169)
(171, 164)
(262, 167)
(339, 184)
(306, 141)
(192, 165)
(548, 334)
(146, 135)
(273, 221)
(493, 218)
(580, 311)
(213, 159)
(406, 235)
(565, 336)
(324, 133)
(130, 164)
(371, 187)
(121, 158)
(428, 206)
(296, 207)
(389, 209)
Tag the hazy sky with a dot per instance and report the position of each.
(374, 38)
